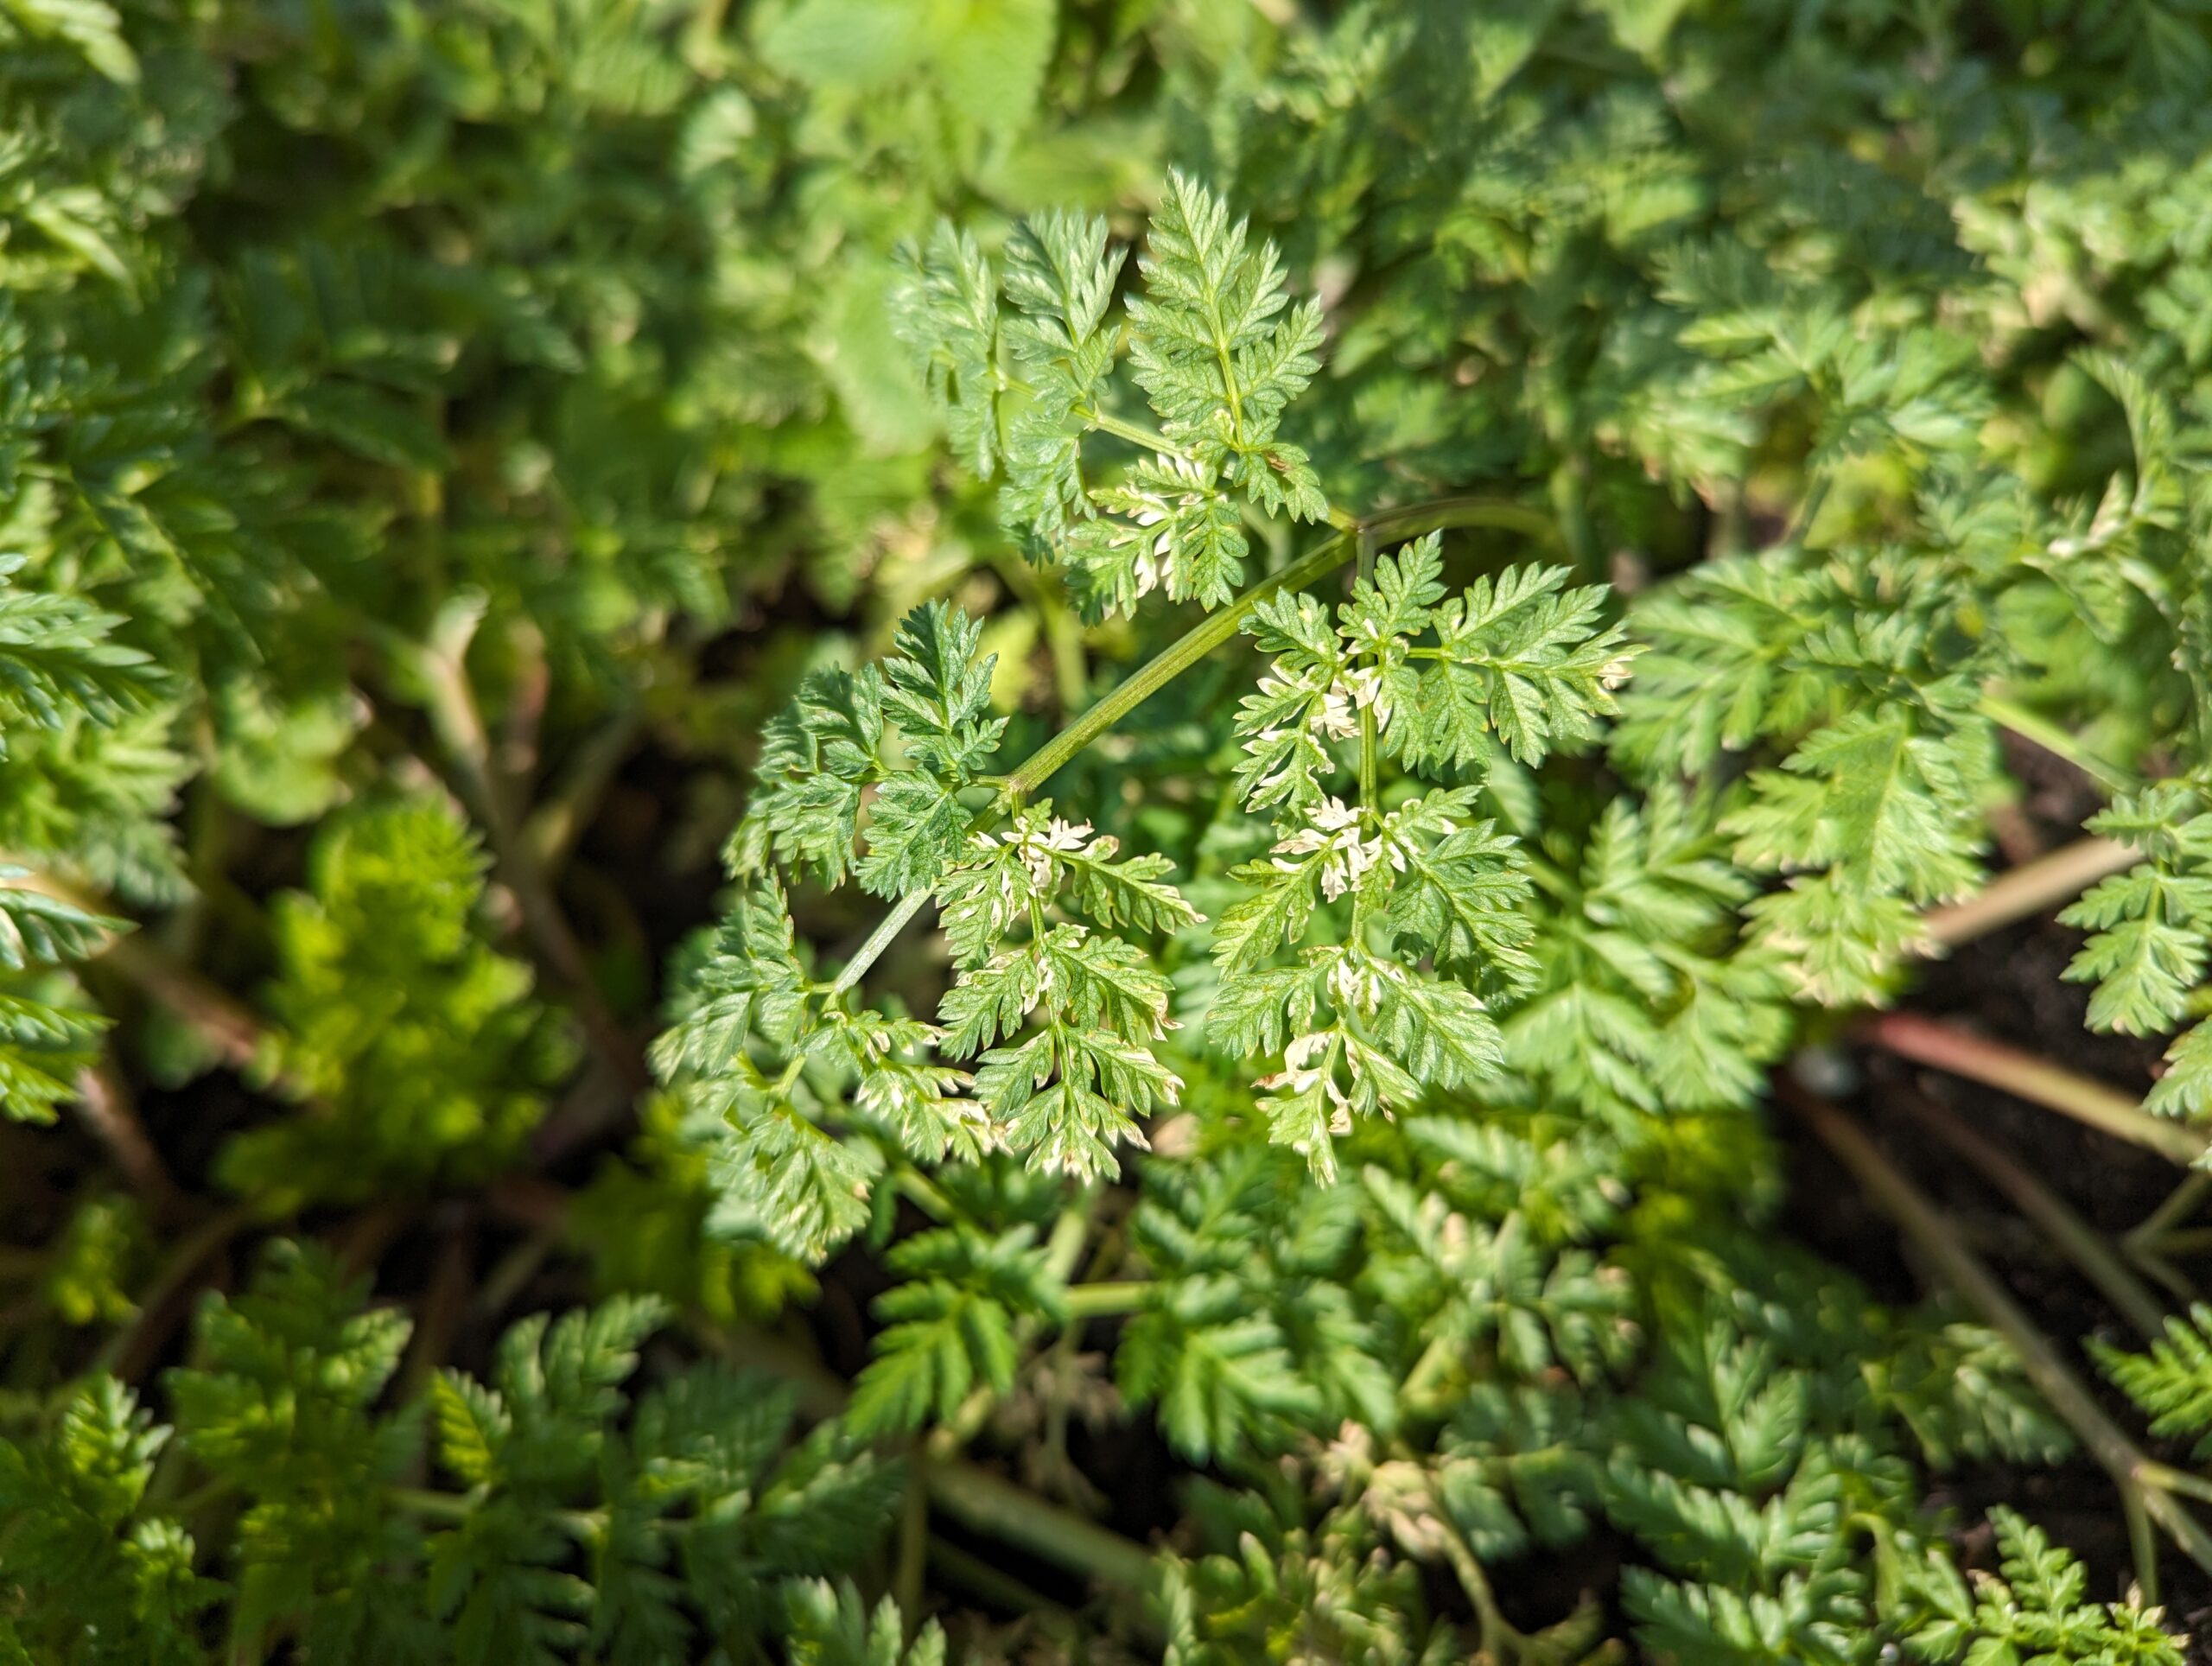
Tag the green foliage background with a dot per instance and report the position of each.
(530, 527)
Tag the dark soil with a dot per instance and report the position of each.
(2008, 986)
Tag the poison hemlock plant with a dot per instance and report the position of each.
(394, 1015)
(2034, 1609)
(61, 673)
(582, 1516)
(1213, 342)
(44, 1043)
(1390, 947)
(1314, 691)
(1060, 1013)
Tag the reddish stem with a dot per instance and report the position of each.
(2026, 890)
(2023, 1075)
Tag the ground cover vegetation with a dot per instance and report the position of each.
(890, 830)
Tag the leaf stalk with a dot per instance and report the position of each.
(1945, 1047)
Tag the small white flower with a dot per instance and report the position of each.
(1157, 504)
(1300, 1052)
(1335, 829)
(1305, 1066)
(1039, 849)
(1355, 981)
(1336, 716)
(1367, 689)
(1154, 567)
(1398, 847)
(1036, 847)
(1305, 1062)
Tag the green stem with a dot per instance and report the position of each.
(984, 1503)
(1001, 1590)
(1062, 1251)
(2158, 1227)
(420, 1501)
(1368, 793)
(2142, 1544)
(2061, 743)
(1143, 438)
(879, 940)
(925, 1193)
(1063, 642)
(1218, 627)
(586, 1526)
(1448, 514)
(226, 1026)
(1570, 486)
(2176, 1481)
(1501, 1643)
(702, 35)
(2185, 1241)
(553, 828)
(1808, 511)
(914, 1545)
(193, 1503)
(1065, 1248)
(441, 666)
(1226, 355)
(1107, 1299)
(512, 1271)
(131, 1350)
(1164, 668)
(977, 1499)
(2156, 1264)
(1062, 631)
